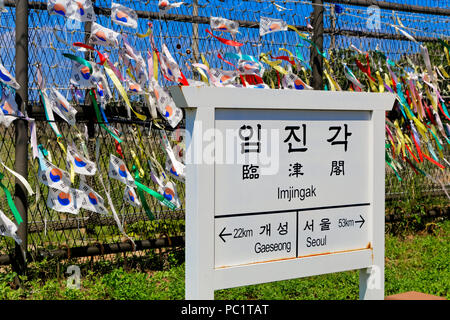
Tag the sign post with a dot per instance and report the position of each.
(283, 184)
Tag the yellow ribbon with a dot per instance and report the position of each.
(121, 90)
(432, 99)
(138, 163)
(380, 82)
(145, 35)
(272, 84)
(131, 75)
(306, 76)
(447, 55)
(63, 148)
(204, 61)
(288, 52)
(444, 73)
(329, 75)
(401, 138)
(274, 64)
(155, 66)
(330, 81)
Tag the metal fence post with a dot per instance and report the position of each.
(195, 36)
(21, 132)
(317, 38)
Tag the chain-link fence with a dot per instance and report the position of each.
(346, 25)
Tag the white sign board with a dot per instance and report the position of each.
(281, 185)
(289, 201)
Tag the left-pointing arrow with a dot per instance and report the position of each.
(222, 234)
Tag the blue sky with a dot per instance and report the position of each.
(46, 49)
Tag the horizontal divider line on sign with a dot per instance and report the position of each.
(292, 210)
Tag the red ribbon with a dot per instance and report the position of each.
(417, 147)
(226, 41)
(119, 149)
(442, 110)
(364, 69)
(430, 115)
(431, 160)
(253, 79)
(412, 166)
(409, 150)
(279, 80)
(183, 79)
(82, 45)
(229, 63)
(285, 58)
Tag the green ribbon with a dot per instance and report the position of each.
(43, 150)
(385, 58)
(142, 196)
(11, 204)
(99, 119)
(444, 43)
(155, 194)
(58, 135)
(436, 139)
(79, 60)
(232, 55)
(389, 162)
(300, 56)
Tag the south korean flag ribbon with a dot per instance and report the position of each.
(292, 81)
(224, 77)
(169, 192)
(54, 177)
(80, 10)
(133, 87)
(92, 200)
(103, 36)
(68, 202)
(9, 111)
(131, 197)
(84, 11)
(170, 168)
(8, 228)
(82, 72)
(165, 5)
(166, 106)
(80, 164)
(224, 25)
(176, 168)
(63, 8)
(62, 107)
(7, 78)
(123, 16)
(269, 25)
(118, 170)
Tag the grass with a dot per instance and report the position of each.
(417, 262)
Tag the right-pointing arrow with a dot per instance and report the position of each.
(360, 221)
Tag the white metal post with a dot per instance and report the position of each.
(199, 208)
(371, 280)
